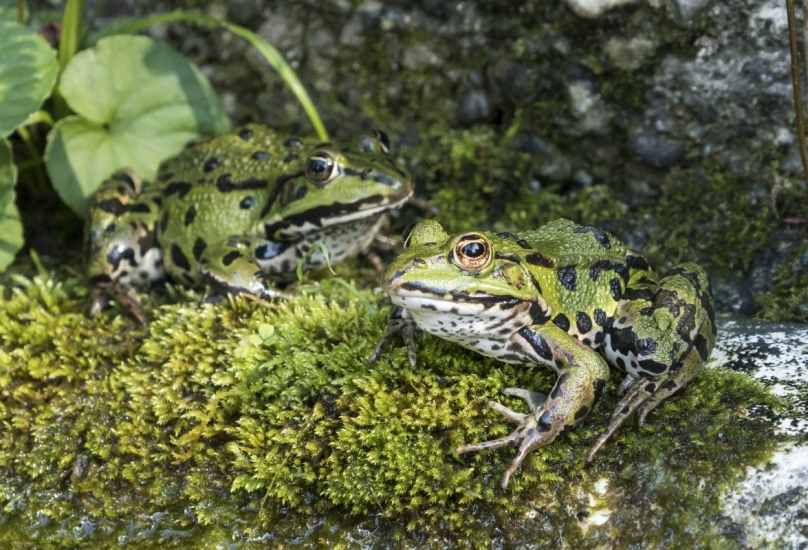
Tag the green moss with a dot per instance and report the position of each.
(202, 425)
(788, 298)
(703, 217)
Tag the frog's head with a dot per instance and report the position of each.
(330, 185)
(465, 274)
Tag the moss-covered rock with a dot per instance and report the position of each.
(234, 422)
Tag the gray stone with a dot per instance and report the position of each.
(550, 163)
(588, 107)
(244, 12)
(769, 505)
(629, 53)
(473, 107)
(592, 9)
(419, 56)
(685, 11)
(654, 149)
(285, 32)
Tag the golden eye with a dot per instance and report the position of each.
(472, 252)
(321, 168)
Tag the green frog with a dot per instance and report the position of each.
(568, 297)
(238, 212)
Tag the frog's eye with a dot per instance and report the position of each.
(472, 252)
(321, 168)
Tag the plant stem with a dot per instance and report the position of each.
(795, 81)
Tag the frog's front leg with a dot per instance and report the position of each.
(661, 335)
(582, 374)
(398, 322)
(243, 264)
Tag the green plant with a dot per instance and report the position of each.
(121, 101)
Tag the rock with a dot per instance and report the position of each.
(472, 108)
(419, 56)
(551, 164)
(592, 9)
(767, 509)
(285, 32)
(244, 12)
(588, 106)
(685, 11)
(629, 53)
(654, 149)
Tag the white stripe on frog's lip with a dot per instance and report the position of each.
(308, 222)
(364, 213)
(440, 305)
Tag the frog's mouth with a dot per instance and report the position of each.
(458, 302)
(334, 214)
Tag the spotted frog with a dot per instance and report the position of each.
(569, 297)
(237, 212)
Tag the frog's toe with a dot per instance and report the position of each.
(637, 398)
(125, 295)
(100, 301)
(513, 416)
(534, 399)
(399, 323)
(527, 436)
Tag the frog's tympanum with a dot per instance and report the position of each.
(238, 211)
(571, 298)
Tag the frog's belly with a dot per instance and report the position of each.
(485, 328)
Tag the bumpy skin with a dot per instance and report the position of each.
(568, 297)
(239, 211)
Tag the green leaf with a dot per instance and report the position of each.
(137, 102)
(10, 226)
(8, 10)
(28, 69)
(8, 174)
(270, 52)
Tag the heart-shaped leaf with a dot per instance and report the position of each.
(28, 69)
(137, 102)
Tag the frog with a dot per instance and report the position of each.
(237, 213)
(568, 297)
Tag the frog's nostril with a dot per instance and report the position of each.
(419, 262)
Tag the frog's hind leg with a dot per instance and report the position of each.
(663, 337)
(121, 249)
(241, 265)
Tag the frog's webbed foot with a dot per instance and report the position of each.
(125, 295)
(643, 395)
(399, 322)
(528, 436)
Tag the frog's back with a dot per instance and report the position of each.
(584, 273)
(221, 185)
(566, 239)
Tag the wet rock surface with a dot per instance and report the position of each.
(767, 509)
